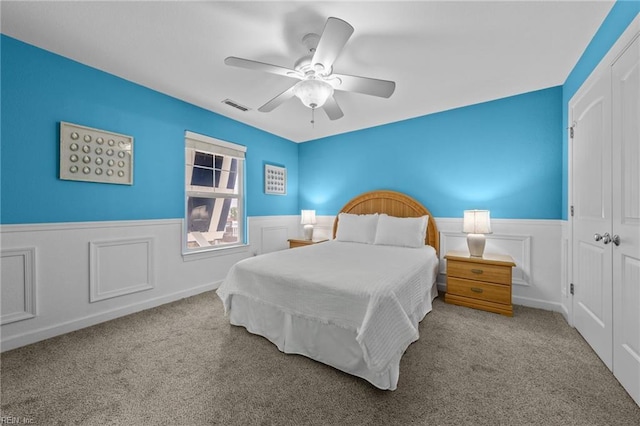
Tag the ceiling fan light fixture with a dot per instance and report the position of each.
(312, 92)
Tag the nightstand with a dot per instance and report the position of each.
(480, 282)
(293, 243)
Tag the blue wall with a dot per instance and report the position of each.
(503, 155)
(621, 15)
(40, 89)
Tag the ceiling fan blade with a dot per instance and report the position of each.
(334, 36)
(368, 86)
(278, 100)
(261, 66)
(332, 109)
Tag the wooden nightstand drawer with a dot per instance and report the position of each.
(473, 271)
(479, 290)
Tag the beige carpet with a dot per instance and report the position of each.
(183, 364)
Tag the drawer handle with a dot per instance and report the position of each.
(476, 290)
(476, 271)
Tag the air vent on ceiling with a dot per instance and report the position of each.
(235, 105)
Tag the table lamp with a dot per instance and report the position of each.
(308, 220)
(476, 223)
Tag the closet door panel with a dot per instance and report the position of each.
(626, 218)
(591, 194)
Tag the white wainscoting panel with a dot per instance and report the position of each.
(18, 284)
(64, 267)
(324, 228)
(270, 233)
(120, 267)
(273, 238)
(107, 259)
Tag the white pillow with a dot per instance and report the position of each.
(358, 228)
(401, 231)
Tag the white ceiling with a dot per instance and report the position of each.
(441, 54)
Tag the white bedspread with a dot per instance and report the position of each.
(372, 289)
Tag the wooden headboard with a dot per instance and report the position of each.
(394, 204)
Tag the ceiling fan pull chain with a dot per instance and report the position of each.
(313, 118)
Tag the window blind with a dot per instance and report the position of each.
(203, 143)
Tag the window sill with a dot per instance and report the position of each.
(214, 252)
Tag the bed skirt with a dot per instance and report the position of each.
(326, 343)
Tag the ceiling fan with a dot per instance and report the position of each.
(315, 72)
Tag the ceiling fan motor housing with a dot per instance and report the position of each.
(305, 64)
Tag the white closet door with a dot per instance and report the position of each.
(591, 193)
(626, 218)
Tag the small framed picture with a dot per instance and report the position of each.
(275, 180)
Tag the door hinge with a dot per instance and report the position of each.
(571, 132)
(571, 288)
(572, 211)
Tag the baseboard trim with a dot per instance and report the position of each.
(79, 323)
(537, 303)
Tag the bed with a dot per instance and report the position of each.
(353, 302)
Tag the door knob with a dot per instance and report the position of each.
(597, 237)
(616, 239)
(606, 238)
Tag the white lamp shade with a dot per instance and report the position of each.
(313, 93)
(476, 222)
(308, 217)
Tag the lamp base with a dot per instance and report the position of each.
(308, 232)
(476, 244)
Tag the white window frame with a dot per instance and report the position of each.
(195, 142)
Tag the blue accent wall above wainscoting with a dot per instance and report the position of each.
(503, 155)
(40, 89)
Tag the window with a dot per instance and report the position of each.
(214, 212)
